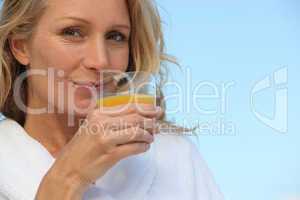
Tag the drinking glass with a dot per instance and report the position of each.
(137, 87)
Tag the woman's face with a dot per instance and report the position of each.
(78, 39)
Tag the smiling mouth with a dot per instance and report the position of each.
(94, 84)
(85, 84)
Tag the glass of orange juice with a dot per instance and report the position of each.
(122, 88)
(137, 88)
(141, 87)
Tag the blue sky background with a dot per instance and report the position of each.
(241, 41)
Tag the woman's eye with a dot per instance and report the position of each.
(117, 36)
(72, 32)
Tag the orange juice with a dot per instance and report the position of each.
(125, 99)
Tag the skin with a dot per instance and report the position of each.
(98, 39)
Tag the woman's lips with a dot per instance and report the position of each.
(85, 89)
(88, 88)
(87, 84)
(84, 83)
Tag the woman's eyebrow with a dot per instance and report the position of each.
(114, 26)
(73, 18)
(121, 26)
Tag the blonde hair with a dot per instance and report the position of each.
(17, 17)
(147, 48)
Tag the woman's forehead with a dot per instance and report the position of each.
(98, 11)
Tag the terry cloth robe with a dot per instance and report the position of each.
(172, 169)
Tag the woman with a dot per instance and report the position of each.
(44, 154)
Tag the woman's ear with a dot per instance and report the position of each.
(19, 49)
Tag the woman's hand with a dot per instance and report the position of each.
(106, 136)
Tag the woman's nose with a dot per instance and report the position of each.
(96, 56)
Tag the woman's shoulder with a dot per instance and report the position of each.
(6, 123)
(17, 147)
(14, 139)
(23, 162)
(182, 170)
(175, 146)
(175, 139)
(10, 132)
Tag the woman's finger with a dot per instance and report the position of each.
(133, 120)
(128, 135)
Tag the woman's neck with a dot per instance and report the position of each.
(51, 130)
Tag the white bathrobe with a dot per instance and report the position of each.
(171, 170)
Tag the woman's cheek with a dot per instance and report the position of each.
(119, 58)
(66, 59)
